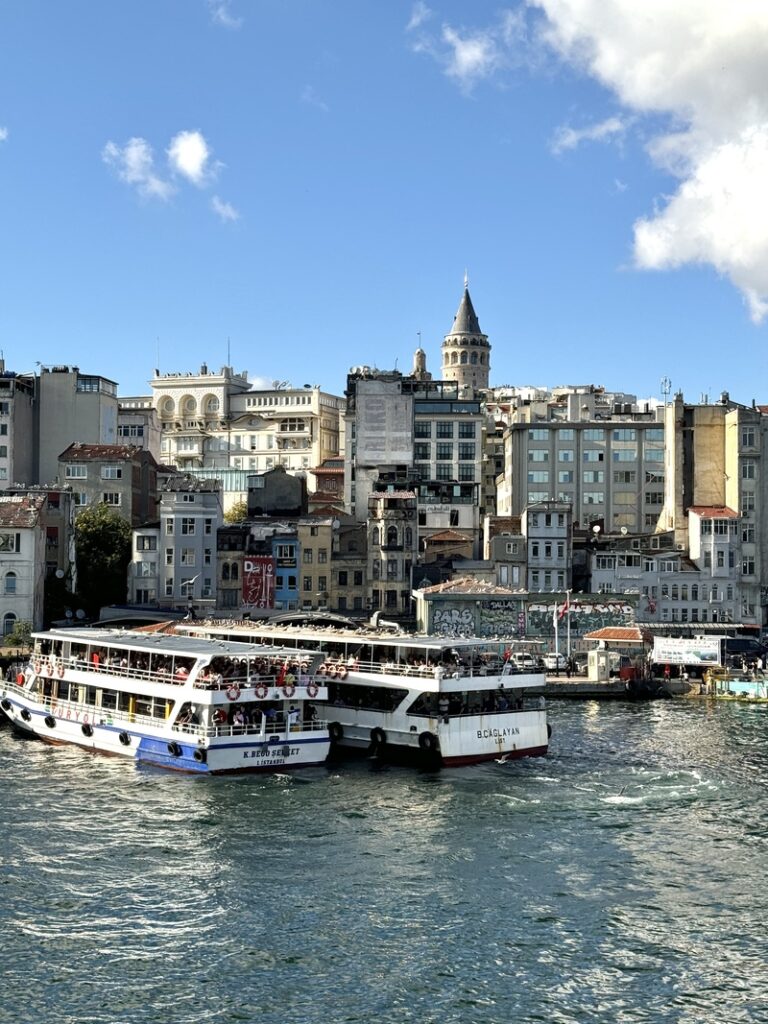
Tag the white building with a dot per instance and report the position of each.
(22, 560)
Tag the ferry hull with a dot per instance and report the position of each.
(232, 754)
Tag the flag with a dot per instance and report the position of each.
(566, 607)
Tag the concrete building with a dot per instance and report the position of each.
(546, 527)
(71, 406)
(121, 476)
(190, 517)
(713, 459)
(603, 453)
(215, 426)
(22, 560)
(392, 550)
(138, 424)
(17, 429)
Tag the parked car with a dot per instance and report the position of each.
(526, 662)
(554, 662)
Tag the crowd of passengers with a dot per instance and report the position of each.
(432, 705)
(450, 665)
(249, 718)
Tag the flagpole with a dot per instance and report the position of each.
(568, 623)
(555, 616)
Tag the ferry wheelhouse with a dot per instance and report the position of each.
(181, 702)
(452, 701)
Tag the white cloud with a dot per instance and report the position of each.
(3, 133)
(569, 138)
(419, 14)
(701, 64)
(134, 164)
(310, 97)
(221, 14)
(470, 55)
(188, 155)
(225, 210)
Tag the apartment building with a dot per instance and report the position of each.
(121, 476)
(22, 561)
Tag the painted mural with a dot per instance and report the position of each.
(468, 616)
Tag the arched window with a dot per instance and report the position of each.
(463, 357)
(225, 571)
(212, 404)
(9, 623)
(189, 405)
(234, 571)
(455, 358)
(473, 360)
(392, 535)
(482, 358)
(10, 583)
(375, 536)
(408, 537)
(167, 407)
(694, 591)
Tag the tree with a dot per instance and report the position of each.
(20, 635)
(236, 513)
(103, 553)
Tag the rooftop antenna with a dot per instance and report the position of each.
(666, 387)
(157, 344)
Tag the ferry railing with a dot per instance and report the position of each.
(338, 670)
(202, 681)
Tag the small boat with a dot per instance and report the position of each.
(448, 701)
(178, 702)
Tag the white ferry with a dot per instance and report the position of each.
(452, 701)
(179, 702)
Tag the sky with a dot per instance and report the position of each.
(296, 187)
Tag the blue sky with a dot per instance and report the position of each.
(305, 182)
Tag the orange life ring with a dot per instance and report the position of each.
(289, 689)
(312, 689)
(233, 692)
(261, 691)
(341, 672)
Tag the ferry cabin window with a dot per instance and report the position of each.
(366, 698)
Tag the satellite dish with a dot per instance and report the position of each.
(80, 614)
(624, 531)
(60, 574)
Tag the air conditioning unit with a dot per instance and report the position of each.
(680, 547)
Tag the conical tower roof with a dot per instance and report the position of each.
(465, 321)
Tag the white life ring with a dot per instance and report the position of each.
(289, 689)
(312, 689)
(261, 691)
(233, 692)
(341, 672)
(60, 670)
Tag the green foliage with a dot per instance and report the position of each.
(103, 552)
(237, 512)
(21, 635)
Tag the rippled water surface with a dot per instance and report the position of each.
(623, 878)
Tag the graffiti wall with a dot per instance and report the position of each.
(515, 617)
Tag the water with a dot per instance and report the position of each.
(621, 879)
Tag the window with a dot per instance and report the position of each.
(594, 434)
(592, 456)
(748, 470)
(207, 556)
(322, 555)
(111, 497)
(592, 476)
(466, 451)
(625, 455)
(747, 502)
(594, 497)
(187, 556)
(79, 498)
(444, 472)
(624, 476)
(466, 472)
(565, 434)
(343, 577)
(422, 451)
(748, 533)
(467, 430)
(287, 552)
(748, 566)
(187, 526)
(538, 434)
(144, 568)
(565, 476)
(444, 429)
(169, 556)
(624, 434)
(444, 451)
(307, 556)
(566, 455)
(10, 542)
(654, 434)
(169, 586)
(654, 454)
(208, 525)
(538, 455)
(307, 584)
(540, 476)
(654, 497)
(111, 473)
(322, 584)
(747, 437)
(144, 543)
(10, 583)
(536, 496)
(511, 547)
(654, 476)
(76, 472)
(422, 428)
(358, 578)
